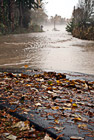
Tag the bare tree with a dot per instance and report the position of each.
(87, 7)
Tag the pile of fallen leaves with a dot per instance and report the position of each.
(53, 96)
(13, 129)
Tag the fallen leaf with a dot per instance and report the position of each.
(22, 125)
(49, 82)
(71, 100)
(61, 135)
(74, 105)
(67, 104)
(6, 134)
(59, 128)
(49, 88)
(38, 104)
(58, 82)
(77, 119)
(55, 107)
(12, 137)
(39, 80)
(56, 121)
(82, 126)
(76, 138)
(47, 137)
(26, 66)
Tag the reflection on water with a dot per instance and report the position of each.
(50, 50)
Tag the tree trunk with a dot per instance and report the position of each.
(11, 4)
(2, 11)
(21, 15)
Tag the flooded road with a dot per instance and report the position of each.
(49, 50)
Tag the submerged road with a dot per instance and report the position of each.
(49, 50)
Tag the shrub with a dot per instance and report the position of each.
(70, 26)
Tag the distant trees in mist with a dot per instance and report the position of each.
(82, 22)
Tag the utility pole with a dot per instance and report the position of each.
(54, 24)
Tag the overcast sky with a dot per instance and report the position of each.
(63, 8)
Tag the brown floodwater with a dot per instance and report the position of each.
(49, 50)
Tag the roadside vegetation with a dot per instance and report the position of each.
(82, 22)
(18, 16)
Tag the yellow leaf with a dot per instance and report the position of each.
(77, 119)
(26, 66)
(82, 126)
(74, 105)
(49, 88)
(27, 122)
(71, 100)
(56, 121)
(67, 81)
(55, 107)
(16, 82)
(66, 108)
(58, 82)
(28, 85)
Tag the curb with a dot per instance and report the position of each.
(37, 121)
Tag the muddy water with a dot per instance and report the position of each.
(50, 50)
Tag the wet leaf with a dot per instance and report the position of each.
(23, 75)
(55, 107)
(76, 138)
(47, 137)
(49, 88)
(26, 66)
(22, 125)
(58, 82)
(67, 104)
(56, 121)
(71, 100)
(77, 119)
(6, 134)
(61, 135)
(59, 128)
(82, 126)
(11, 110)
(11, 137)
(38, 104)
(40, 80)
(85, 86)
(74, 105)
(66, 108)
(49, 82)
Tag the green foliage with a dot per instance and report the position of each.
(70, 26)
(15, 13)
(2, 28)
(49, 82)
(35, 28)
